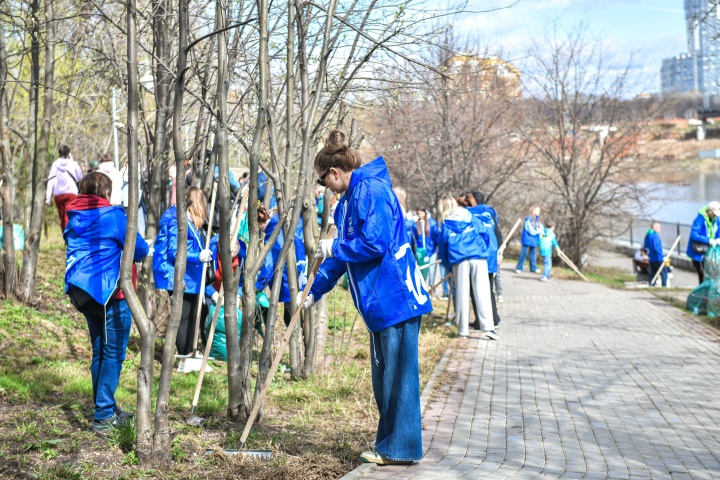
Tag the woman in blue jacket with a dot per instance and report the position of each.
(425, 231)
(95, 237)
(164, 264)
(532, 228)
(704, 233)
(386, 285)
(464, 245)
(268, 222)
(654, 249)
(486, 217)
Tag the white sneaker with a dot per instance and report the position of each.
(500, 299)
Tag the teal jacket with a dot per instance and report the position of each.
(548, 240)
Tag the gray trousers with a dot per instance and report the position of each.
(498, 282)
(464, 273)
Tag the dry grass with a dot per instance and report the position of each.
(316, 427)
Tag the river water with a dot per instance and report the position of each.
(679, 197)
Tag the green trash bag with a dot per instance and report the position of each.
(218, 350)
(698, 299)
(711, 265)
(422, 260)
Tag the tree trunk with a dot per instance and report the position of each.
(40, 166)
(8, 177)
(239, 359)
(144, 442)
(32, 138)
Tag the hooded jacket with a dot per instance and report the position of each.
(532, 228)
(373, 248)
(653, 246)
(548, 240)
(300, 257)
(65, 174)
(703, 229)
(95, 237)
(166, 250)
(485, 215)
(463, 237)
(263, 278)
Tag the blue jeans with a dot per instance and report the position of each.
(109, 336)
(396, 385)
(445, 285)
(533, 258)
(547, 266)
(654, 267)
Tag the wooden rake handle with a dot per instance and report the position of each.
(281, 349)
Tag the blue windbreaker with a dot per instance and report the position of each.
(95, 239)
(264, 275)
(484, 214)
(300, 257)
(702, 231)
(531, 231)
(373, 248)
(463, 237)
(430, 245)
(166, 249)
(653, 246)
(548, 240)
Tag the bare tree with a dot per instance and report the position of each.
(450, 132)
(7, 179)
(581, 134)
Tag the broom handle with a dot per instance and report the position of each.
(281, 349)
(509, 236)
(569, 262)
(662, 267)
(211, 334)
(440, 282)
(198, 307)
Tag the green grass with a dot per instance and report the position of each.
(321, 423)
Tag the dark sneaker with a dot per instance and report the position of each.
(475, 325)
(123, 415)
(492, 335)
(105, 427)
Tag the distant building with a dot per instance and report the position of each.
(699, 69)
(678, 74)
(491, 77)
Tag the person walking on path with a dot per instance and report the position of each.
(548, 241)
(164, 265)
(654, 249)
(65, 175)
(107, 166)
(498, 287)
(532, 228)
(704, 234)
(95, 238)
(386, 286)
(464, 245)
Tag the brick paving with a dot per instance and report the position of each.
(585, 382)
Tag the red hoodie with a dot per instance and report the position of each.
(90, 202)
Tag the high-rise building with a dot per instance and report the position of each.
(699, 69)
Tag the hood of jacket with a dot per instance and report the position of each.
(376, 170)
(85, 210)
(458, 220)
(63, 164)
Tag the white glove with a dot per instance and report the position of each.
(215, 297)
(713, 242)
(151, 252)
(324, 249)
(309, 300)
(205, 255)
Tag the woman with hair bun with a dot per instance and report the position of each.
(164, 265)
(386, 286)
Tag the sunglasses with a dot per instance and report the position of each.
(321, 180)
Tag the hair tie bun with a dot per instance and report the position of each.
(336, 142)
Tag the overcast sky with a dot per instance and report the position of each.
(650, 29)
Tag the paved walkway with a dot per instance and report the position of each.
(585, 382)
